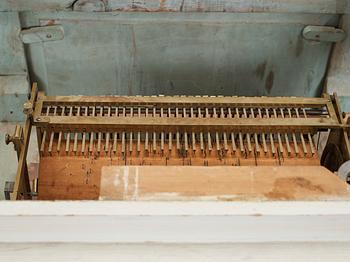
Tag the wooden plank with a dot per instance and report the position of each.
(187, 100)
(164, 122)
(88, 178)
(22, 180)
(174, 222)
(221, 183)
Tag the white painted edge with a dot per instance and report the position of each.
(172, 208)
(173, 222)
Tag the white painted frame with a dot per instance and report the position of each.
(173, 222)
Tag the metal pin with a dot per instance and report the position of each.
(75, 145)
(177, 132)
(217, 140)
(162, 141)
(91, 146)
(250, 149)
(303, 143)
(309, 136)
(185, 133)
(201, 141)
(68, 134)
(162, 133)
(177, 140)
(225, 141)
(130, 142)
(60, 133)
(99, 138)
(286, 136)
(186, 141)
(278, 134)
(257, 147)
(138, 142)
(115, 135)
(107, 134)
(229, 113)
(262, 134)
(154, 142)
(193, 134)
(146, 142)
(222, 114)
(123, 143)
(214, 113)
(207, 113)
(272, 141)
(201, 133)
(170, 133)
(84, 133)
(234, 147)
(296, 148)
(210, 147)
(301, 135)
(52, 132)
(240, 136)
(146, 135)
(42, 146)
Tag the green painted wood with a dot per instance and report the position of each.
(178, 53)
(266, 6)
(12, 58)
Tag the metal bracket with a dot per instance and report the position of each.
(323, 34)
(89, 6)
(42, 34)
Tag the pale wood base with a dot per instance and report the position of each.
(92, 179)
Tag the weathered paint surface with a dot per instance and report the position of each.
(300, 6)
(338, 79)
(179, 53)
(12, 59)
(13, 93)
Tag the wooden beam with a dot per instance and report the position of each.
(157, 123)
(174, 222)
(22, 185)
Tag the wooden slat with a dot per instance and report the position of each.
(221, 183)
(162, 122)
(186, 101)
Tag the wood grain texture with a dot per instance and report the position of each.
(96, 177)
(221, 183)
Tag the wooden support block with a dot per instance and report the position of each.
(221, 183)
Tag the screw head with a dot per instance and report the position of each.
(7, 139)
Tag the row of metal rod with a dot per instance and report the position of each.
(153, 141)
(196, 112)
(225, 135)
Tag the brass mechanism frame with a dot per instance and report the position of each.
(39, 113)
